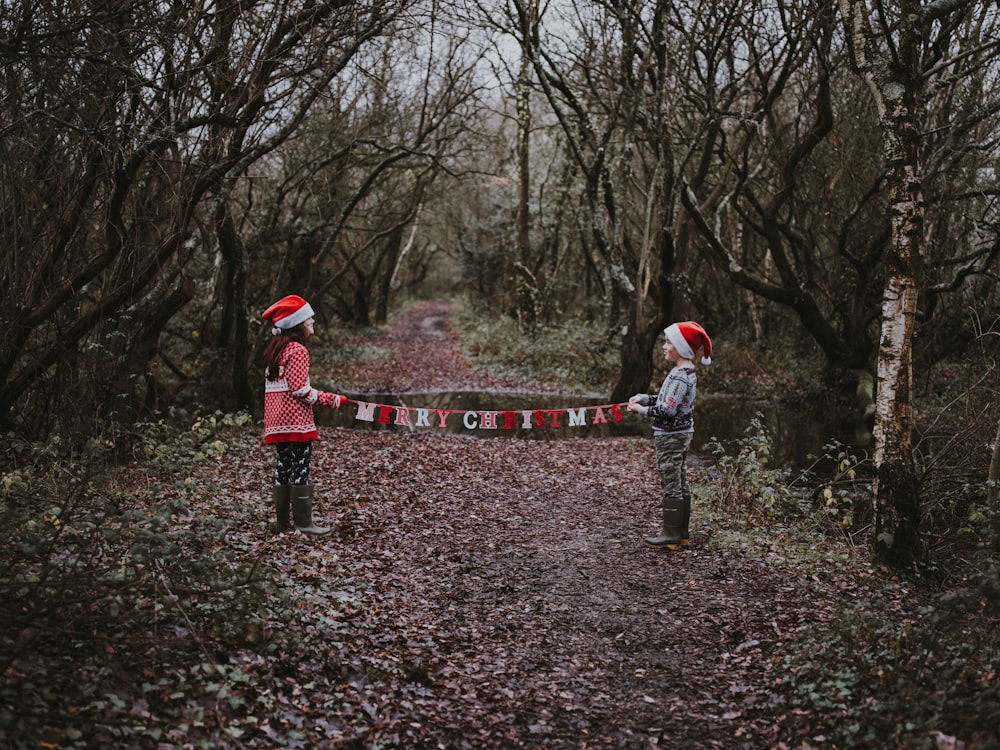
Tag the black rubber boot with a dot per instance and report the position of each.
(282, 494)
(670, 537)
(686, 522)
(302, 505)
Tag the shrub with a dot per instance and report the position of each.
(575, 356)
(113, 588)
(881, 683)
(746, 486)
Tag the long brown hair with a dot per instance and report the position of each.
(276, 347)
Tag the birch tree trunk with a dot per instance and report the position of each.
(893, 84)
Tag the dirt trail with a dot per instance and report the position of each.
(508, 600)
(426, 355)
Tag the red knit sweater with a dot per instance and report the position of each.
(289, 400)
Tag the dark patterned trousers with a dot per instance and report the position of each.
(292, 466)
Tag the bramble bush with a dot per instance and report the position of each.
(746, 486)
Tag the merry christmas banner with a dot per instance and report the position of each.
(487, 419)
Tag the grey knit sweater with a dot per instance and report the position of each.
(672, 409)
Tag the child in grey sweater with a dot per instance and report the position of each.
(672, 411)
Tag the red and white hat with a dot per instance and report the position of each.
(287, 313)
(689, 337)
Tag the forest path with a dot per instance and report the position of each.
(425, 355)
(501, 596)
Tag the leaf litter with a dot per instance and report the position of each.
(480, 593)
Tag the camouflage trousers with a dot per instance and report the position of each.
(671, 463)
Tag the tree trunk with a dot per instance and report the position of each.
(384, 277)
(527, 298)
(897, 503)
(993, 494)
(893, 87)
(234, 330)
(636, 362)
(123, 401)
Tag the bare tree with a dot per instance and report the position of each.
(677, 94)
(887, 52)
(792, 211)
(119, 122)
(334, 212)
(606, 74)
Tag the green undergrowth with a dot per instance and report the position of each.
(892, 662)
(137, 611)
(879, 682)
(129, 594)
(348, 351)
(574, 356)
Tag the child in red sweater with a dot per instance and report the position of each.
(289, 424)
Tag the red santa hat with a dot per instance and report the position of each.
(689, 337)
(287, 313)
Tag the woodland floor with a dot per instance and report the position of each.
(495, 593)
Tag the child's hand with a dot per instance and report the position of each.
(331, 400)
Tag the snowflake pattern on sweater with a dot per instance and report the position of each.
(672, 409)
(289, 400)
